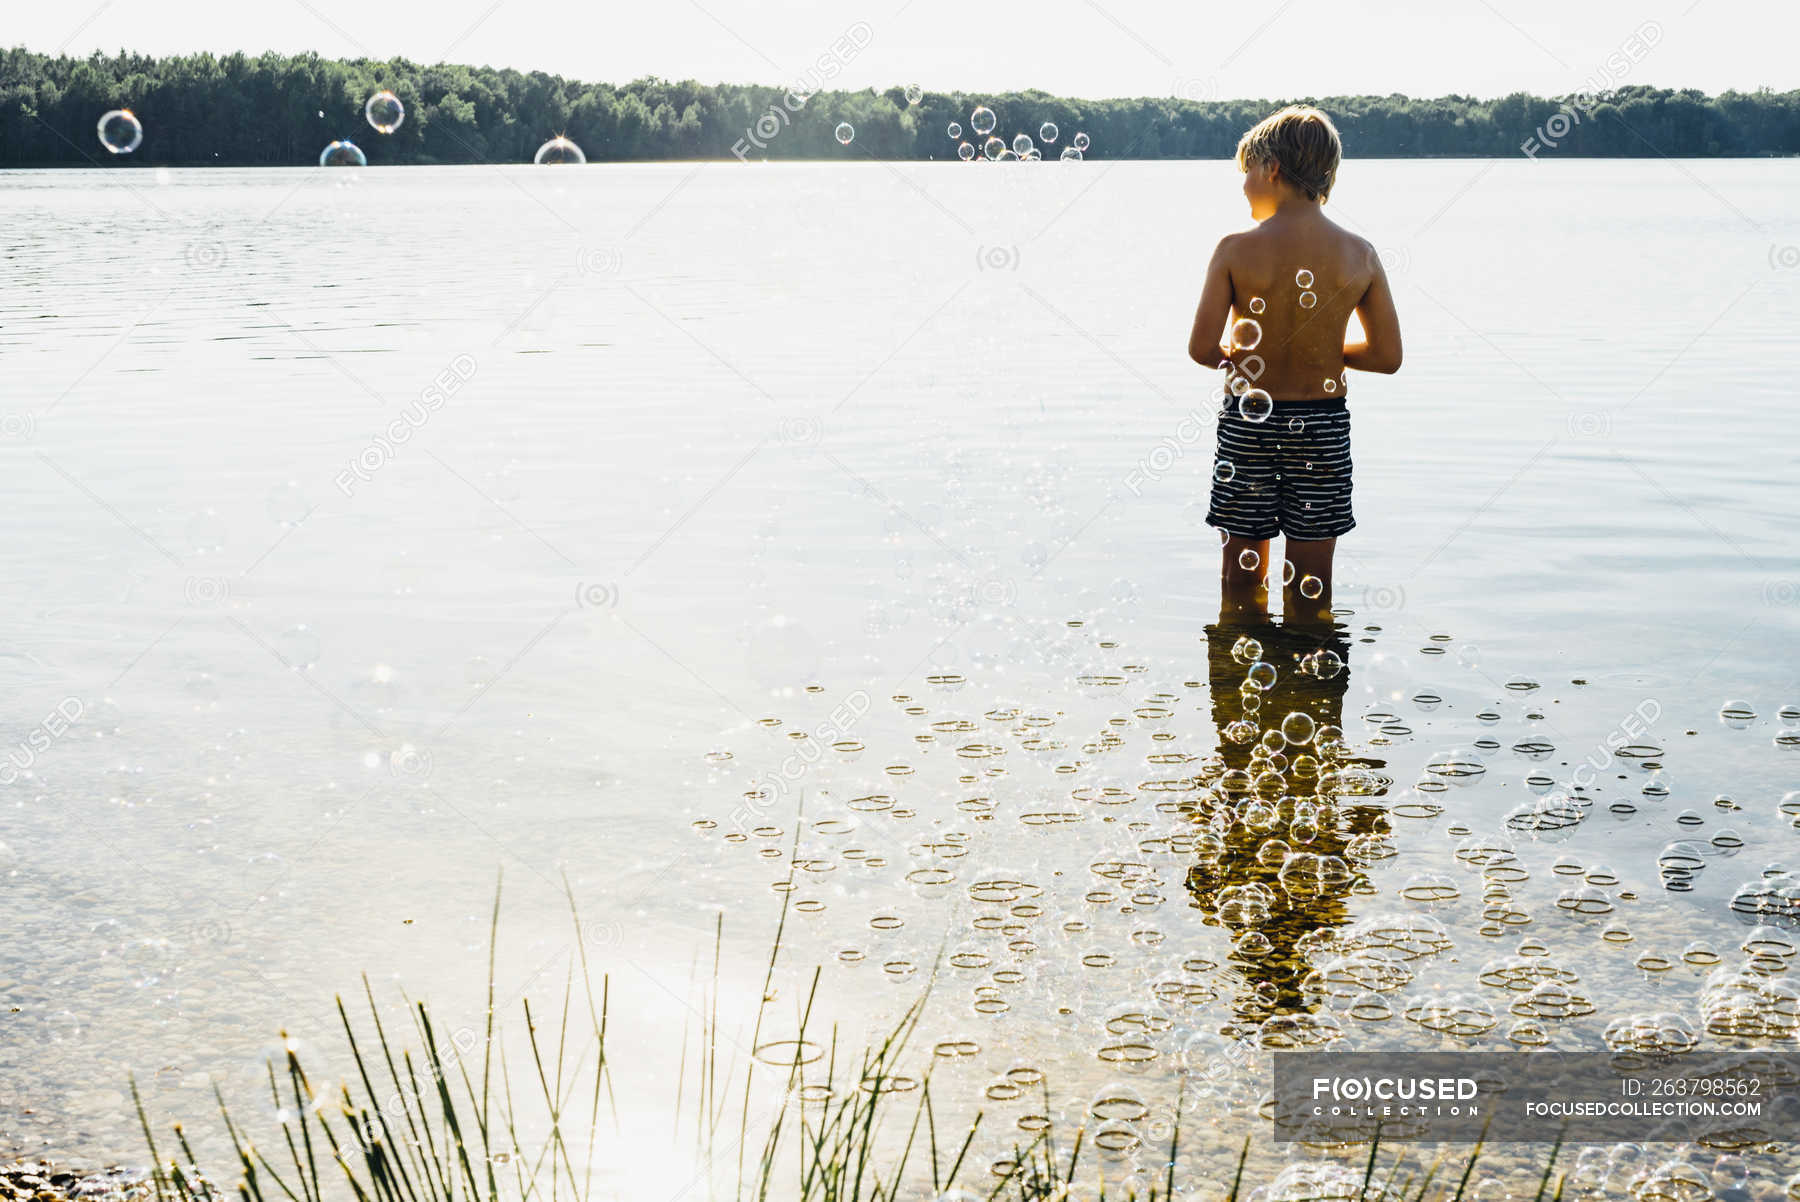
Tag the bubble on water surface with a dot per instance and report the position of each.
(343, 154)
(559, 151)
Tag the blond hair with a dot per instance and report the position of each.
(1299, 140)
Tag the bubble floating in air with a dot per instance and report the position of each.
(1070, 155)
(1303, 278)
(1021, 144)
(955, 129)
(983, 120)
(1308, 299)
(1047, 132)
(1258, 304)
(844, 133)
(120, 132)
(384, 112)
(914, 93)
(1246, 334)
(1256, 405)
(1079, 142)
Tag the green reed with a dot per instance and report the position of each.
(843, 1132)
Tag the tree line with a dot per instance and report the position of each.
(281, 110)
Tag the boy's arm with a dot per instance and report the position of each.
(1379, 349)
(1215, 307)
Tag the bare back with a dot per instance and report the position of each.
(1310, 275)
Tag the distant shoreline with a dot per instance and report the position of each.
(838, 161)
(267, 110)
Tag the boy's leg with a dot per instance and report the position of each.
(1307, 595)
(1244, 590)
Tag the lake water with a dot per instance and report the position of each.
(680, 441)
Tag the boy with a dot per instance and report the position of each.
(1288, 287)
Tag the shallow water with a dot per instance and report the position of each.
(728, 432)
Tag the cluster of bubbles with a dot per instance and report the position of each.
(990, 147)
(1178, 897)
(121, 132)
(1243, 368)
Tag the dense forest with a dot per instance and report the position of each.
(279, 110)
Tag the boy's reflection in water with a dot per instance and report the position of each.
(1273, 970)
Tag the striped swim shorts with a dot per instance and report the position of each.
(1288, 475)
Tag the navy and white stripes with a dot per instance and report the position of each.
(1288, 475)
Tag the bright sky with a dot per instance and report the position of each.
(1087, 48)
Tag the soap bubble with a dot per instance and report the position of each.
(1079, 142)
(1249, 560)
(1246, 334)
(982, 120)
(955, 129)
(1070, 154)
(1047, 132)
(120, 132)
(1297, 728)
(1224, 470)
(993, 148)
(1303, 278)
(384, 112)
(1330, 385)
(1256, 405)
(914, 93)
(559, 151)
(1310, 588)
(845, 132)
(1308, 300)
(343, 154)
(965, 152)
(1021, 144)
(1258, 304)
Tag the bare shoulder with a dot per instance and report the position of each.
(1359, 250)
(1231, 246)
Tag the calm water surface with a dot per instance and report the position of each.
(682, 441)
